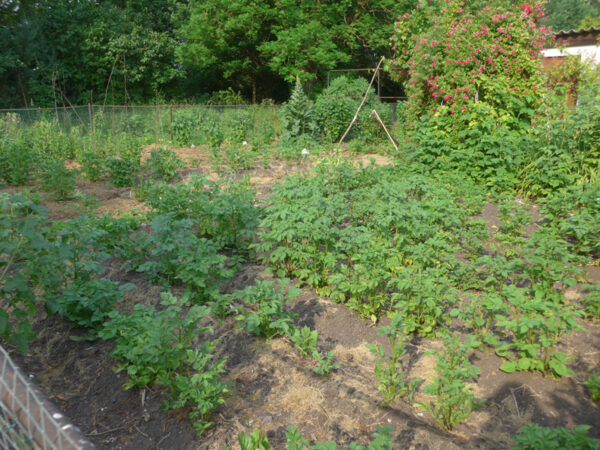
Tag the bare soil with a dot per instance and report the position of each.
(275, 388)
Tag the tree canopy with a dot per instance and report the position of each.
(139, 50)
(571, 14)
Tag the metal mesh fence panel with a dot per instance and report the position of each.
(108, 127)
(27, 419)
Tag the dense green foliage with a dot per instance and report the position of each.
(572, 14)
(400, 243)
(61, 52)
(358, 236)
(534, 436)
(335, 107)
(255, 47)
(454, 55)
(157, 347)
(389, 371)
(297, 116)
(66, 50)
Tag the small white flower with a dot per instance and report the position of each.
(304, 152)
(245, 143)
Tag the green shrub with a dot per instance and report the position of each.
(163, 164)
(17, 160)
(269, 318)
(593, 385)
(93, 165)
(59, 180)
(454, 400)
(24, 250)
(87, 303)
(389, 371)
(158, 347)
(485, 145)
(122, 172)
(182, 127)
(173, 252)
(227, 97)
(50, 142)
(534, 436)
(335, 107)
(225, 213)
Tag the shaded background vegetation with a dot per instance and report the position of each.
(186, 49)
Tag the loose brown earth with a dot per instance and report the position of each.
(275, 388)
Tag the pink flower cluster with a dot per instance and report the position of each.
(468, 49)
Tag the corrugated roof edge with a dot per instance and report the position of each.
(579, 31)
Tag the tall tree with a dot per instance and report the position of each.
(262, 41)
(568, 14)
(222, 38)
(313, 37)
(76, 45)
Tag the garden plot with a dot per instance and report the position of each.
(362, 244)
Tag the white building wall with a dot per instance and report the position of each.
(588, 53)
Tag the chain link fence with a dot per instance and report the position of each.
(27, 419)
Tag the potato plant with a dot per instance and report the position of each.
(157, 347)
(353, 234)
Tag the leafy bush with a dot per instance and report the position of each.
(227, 97)
(163, 164)
(50, 142)
(335, 107)
(574, 212)
(224, 213)
(355, 235)
(453, 54)
(24, 248)
(482, 143)
(87, 303)
(173, 252)
(534, 436)
(59, 180)
(93, 165)
(17, 160)
(182, 127)
(256, 441)
(305, 340)
(593, 385)
(122, 172)
(157, 347)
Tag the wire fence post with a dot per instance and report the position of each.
(92, 127)
(156, 123)
(171, 123)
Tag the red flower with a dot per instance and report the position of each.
(527, 9)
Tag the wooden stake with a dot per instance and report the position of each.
(375, 116)
(363, 102)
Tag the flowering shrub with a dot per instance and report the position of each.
(452, 54)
